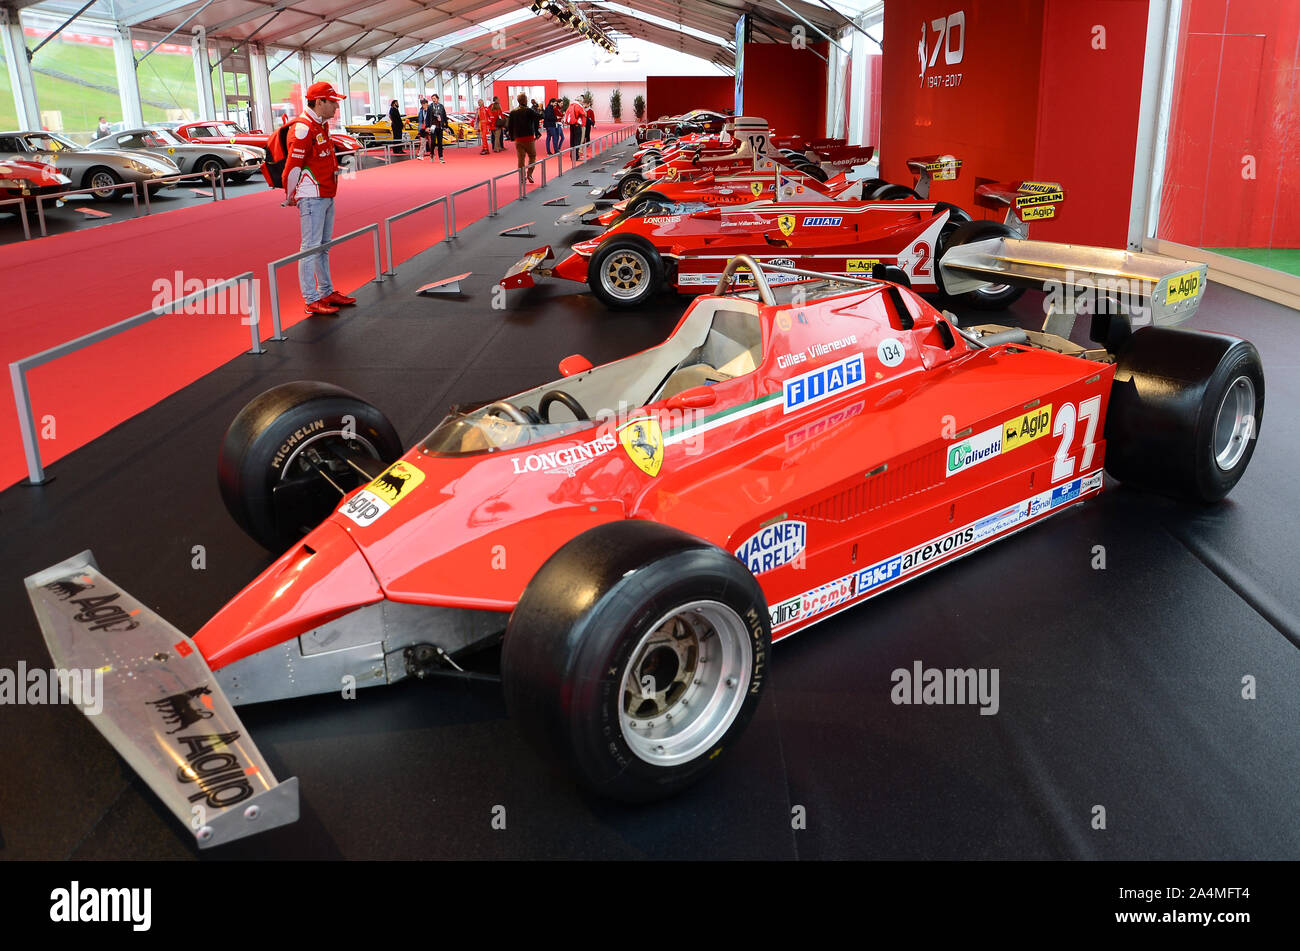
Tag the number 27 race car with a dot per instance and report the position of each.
(635, 536)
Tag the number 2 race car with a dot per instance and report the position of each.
(636, 535)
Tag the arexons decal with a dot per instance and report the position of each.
(863, 582)
(773, 546)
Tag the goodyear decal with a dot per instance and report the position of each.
(823, 383)
(1183, 286)
(393, 484)
(822, 221)
(774, 545)
(919, 559)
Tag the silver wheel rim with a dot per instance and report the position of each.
(102, 181)
(288, 466)
(685, 684)
(624, 274)
(630, 187)
(993, 290)
(1234, 425)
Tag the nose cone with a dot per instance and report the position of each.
(322, 577)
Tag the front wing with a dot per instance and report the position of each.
(522, 271)
(159, 705)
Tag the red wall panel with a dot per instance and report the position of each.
(673, 95)
(982, 110)
(501, 89)
(1236, 92)
(787, 86)
(1087, 119)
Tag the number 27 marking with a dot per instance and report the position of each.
(1066, 418)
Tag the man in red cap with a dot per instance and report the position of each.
(310, 181)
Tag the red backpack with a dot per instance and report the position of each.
(277, 151)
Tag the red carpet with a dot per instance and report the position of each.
(67, 285)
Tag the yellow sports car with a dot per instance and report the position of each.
(378, 127)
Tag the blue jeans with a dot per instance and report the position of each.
(316, 222)
(554, 139)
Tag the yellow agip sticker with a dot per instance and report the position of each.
(396, 482)
(1183, 286)
(644, 442)
(1023, 429)
(1037, 212)
(860, 265)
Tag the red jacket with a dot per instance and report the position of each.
(311, 150)
(575, 115)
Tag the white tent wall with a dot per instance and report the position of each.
(600, 93)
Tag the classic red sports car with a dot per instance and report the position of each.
(696, 121)
(26, 180)
(686, 249)
(636, 535)
(220, 130)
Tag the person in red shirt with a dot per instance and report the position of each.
(310, 182)
(575, 117)
(485, 121)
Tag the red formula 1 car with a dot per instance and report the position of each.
(746, 144)
(27, 180)
(220, 130)
(635, 535)
(686, 249)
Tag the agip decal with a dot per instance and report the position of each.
(392, 485)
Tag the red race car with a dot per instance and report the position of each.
(633, 259)
(26, 180)
(697, 121)
(219, 130)
(636, 535)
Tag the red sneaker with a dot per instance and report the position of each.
(339, 300)
(321, 308)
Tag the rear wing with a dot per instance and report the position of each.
(160, 705)
(932, 168)
(1023, 201)
(1165, 290)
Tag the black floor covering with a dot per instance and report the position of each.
(1120, 688)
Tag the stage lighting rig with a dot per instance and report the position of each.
(569, 15)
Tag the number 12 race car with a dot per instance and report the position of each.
(636, 535)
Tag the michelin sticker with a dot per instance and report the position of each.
(773, 546)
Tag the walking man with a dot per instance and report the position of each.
(523, 129)
(310, 181)
(435, 120)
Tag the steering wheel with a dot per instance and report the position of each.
(509, 410)
(559, 396)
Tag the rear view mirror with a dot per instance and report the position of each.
(696, 397)
(574, 363)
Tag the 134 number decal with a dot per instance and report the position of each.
(1067, 419)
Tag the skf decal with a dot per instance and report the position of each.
(1183, 286)
(822, 383)
(773, 546)
(786, 224)
(1023, 429)
(644, 442)
(822, 221)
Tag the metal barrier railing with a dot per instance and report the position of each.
(448, 234)
(252, 168)
(174, 179)
(59, 196)
(277, 332)
(22, 211)
(18, 369)
(451, 199)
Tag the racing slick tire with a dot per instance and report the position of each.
(637, 654)
(625, 272)
(270, 459)
(811, 170)
(990, 296)
(629, 185)
(1185, 411)
(888, 192)
(646, 196)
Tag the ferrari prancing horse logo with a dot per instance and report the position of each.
(786, 224)
(644, 442)
(756, 188)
